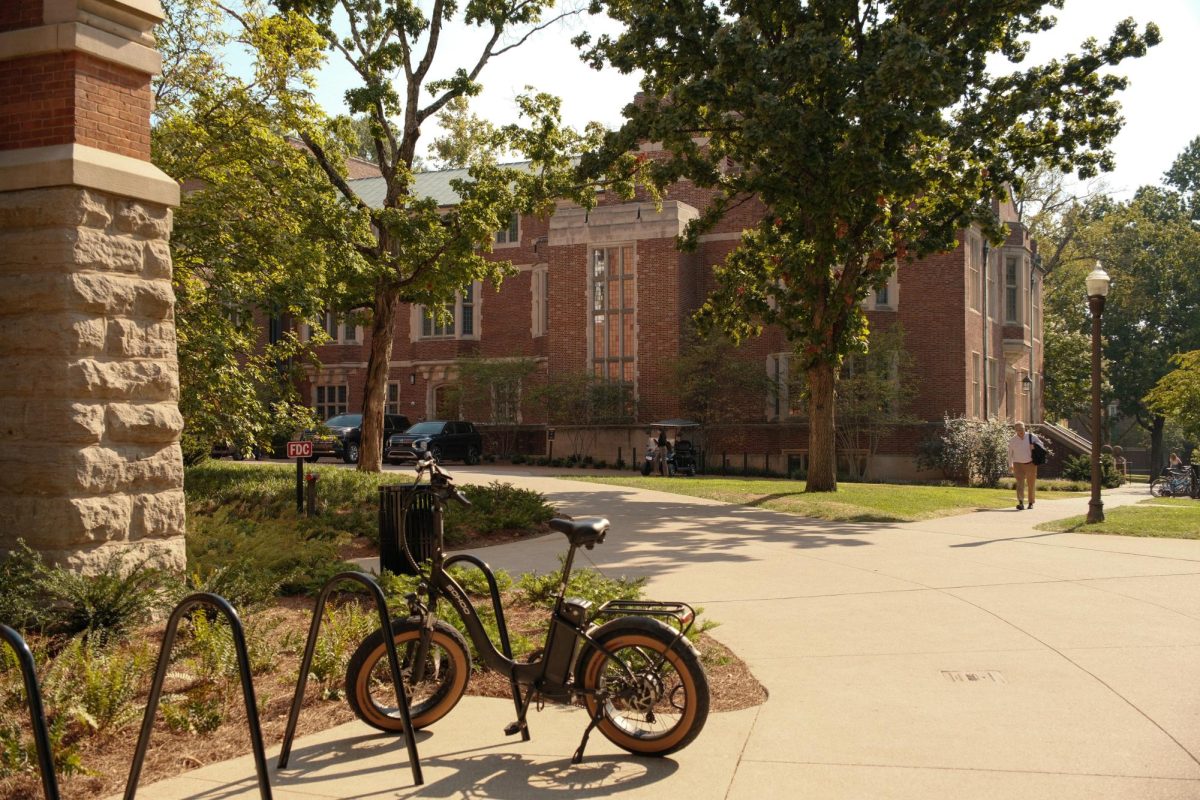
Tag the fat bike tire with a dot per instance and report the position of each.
(664, 706)
(369, 689)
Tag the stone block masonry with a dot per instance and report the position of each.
(89, 422)
(90, 465)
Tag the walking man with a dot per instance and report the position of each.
(1020, 459)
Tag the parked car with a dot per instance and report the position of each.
(341, 436)
(446, 440)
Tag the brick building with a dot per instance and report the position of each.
(607, 292)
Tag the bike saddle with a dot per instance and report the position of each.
(586, 532)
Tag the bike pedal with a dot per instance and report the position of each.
(513, 728)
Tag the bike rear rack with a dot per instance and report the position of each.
(501, 625)
(164, 656)
(37, 712)
(389, 639)
(681, 614)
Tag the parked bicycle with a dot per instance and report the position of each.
(639, 677)
(1177, 482)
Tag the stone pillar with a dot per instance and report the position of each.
(90, 464)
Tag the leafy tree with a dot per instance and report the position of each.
(716, 384)
(419, 252)
(871, 131)
(495, 391)
(873, 393)
(1152, 251)
(258, 230)
(1176, 395)
(581, 401)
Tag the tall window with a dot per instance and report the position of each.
(788, 392)
(338, 329)
(993, 299)
(459, 323)
(993, 387)
(614, 341)
(1012, 292)
(506, 401)
(393, 399)
(881, 297)
(330, 400)
(974, 256)
(976, 387)
(511, 234)
(540, 290)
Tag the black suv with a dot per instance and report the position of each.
(445, 440)
(341, 435)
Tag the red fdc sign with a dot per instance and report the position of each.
(299, 450)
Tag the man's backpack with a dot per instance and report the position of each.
(1037, 452)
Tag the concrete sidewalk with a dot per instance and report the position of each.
(964, 657)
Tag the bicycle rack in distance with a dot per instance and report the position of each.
(217, 603)
(393, 660)
(37, 713)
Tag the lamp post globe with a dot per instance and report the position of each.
(1097, 283)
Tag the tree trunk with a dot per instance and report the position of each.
(383, 328)
(1156, 447)
(822, 444)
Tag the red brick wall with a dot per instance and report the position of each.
(59, 98)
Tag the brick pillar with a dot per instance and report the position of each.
(90, 464)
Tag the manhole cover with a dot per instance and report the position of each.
(984, 676)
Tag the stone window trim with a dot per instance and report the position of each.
(886, 298)
(465, 324)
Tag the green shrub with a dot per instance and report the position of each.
(342, 631)
(22, 591)
(518, 458)
(109, 603)
(97, 686)
(588, 584)
(247, 561)
(496, 507)
(968, 450)
(1079, 468)
(199, 710)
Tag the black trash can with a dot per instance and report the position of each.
(408, 525)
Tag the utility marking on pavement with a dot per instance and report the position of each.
(986, 676)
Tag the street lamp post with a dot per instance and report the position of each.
(1027, 385)
(1097, 290)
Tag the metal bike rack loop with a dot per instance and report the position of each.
(164, 656)
(37, 713)
(501, 626)
(389, 639)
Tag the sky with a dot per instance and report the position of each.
(1160, 106)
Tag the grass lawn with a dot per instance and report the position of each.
(1170, 518)
(853, 502)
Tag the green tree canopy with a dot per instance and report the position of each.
(872, 131)
(259, 233)
(1176, 396)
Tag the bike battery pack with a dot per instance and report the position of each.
(560, 646)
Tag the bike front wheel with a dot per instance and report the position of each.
(1158, 487)
(369, 688)
(652, 686)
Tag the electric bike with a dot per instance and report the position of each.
(629, 662)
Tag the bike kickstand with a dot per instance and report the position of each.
(577, 757)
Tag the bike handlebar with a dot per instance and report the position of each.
(440, 480)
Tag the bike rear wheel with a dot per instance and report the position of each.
(369, 689)
(1158, 487)
(657, 706)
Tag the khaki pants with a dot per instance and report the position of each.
(1026, 475)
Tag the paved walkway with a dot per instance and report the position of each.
(965, 657)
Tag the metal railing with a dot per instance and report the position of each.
(385, 623)
(164, 656)
(37, 711)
